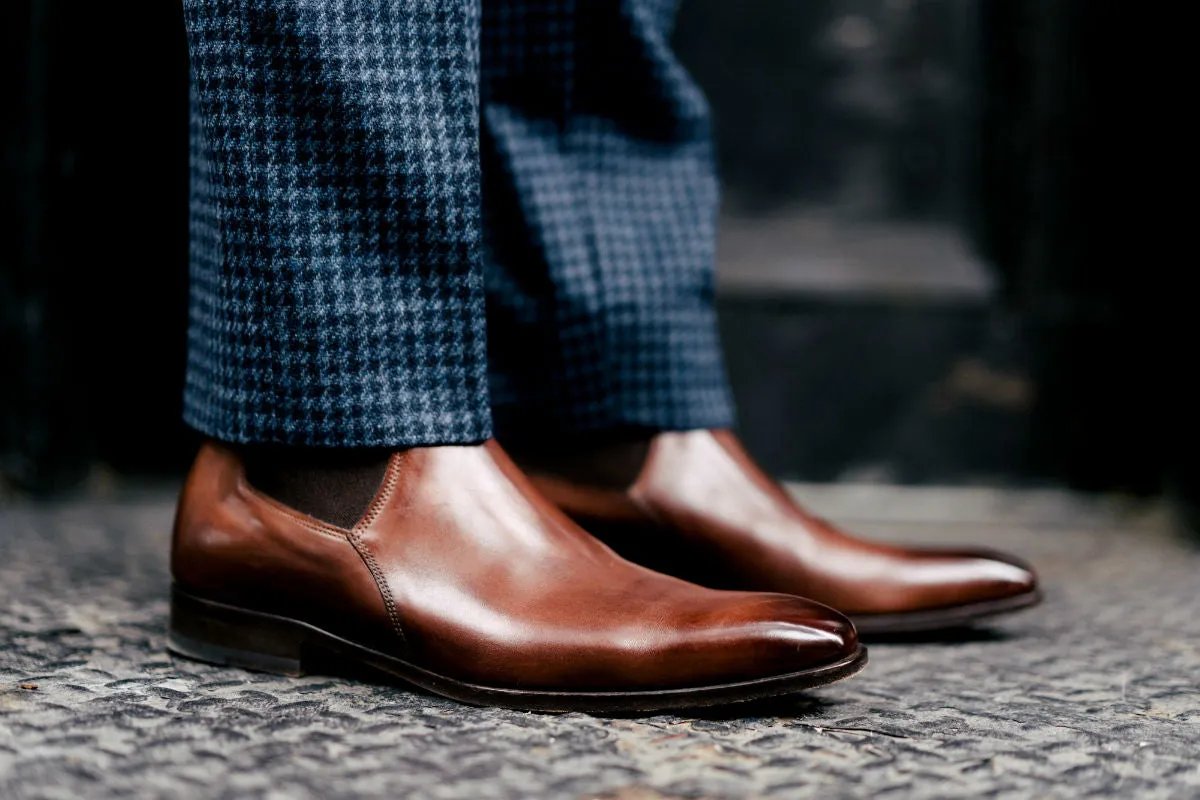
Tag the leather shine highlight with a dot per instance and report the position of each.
(462, 568)
(702, 509)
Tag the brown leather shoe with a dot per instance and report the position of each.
(702, 510)
(461, 579)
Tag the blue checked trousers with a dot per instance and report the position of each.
(420, 222)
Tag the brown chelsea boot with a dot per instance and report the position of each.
(702, 510)
(460, 578)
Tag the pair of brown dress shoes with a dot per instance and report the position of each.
(470, 579)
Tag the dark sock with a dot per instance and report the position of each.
(614, 464)
(335, 485)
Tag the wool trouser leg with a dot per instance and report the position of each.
(336, 286)
(600, 201)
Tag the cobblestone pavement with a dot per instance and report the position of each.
(1095, 694)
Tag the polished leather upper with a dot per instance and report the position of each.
(702, 498)
(460, 567)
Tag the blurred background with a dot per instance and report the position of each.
(926, 273)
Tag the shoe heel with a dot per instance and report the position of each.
(234, 637)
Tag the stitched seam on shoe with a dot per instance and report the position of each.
(309, 523)
(355, 535)
(390, 478)
(388, 602)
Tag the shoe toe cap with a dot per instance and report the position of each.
(990, 576)
(769, 634)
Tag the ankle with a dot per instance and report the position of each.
(334, 485)
(612, 464)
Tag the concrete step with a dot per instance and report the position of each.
(870, 350)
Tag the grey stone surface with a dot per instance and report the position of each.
(1095, 694)
(818, 254)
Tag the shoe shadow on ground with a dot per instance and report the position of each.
(801, 706)
(806, 705)
(964, 634)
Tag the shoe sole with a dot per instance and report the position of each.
(942, 618)
(217, 633)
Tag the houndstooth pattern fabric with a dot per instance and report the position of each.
(337, 281)
(600, 203)
(336, 292)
